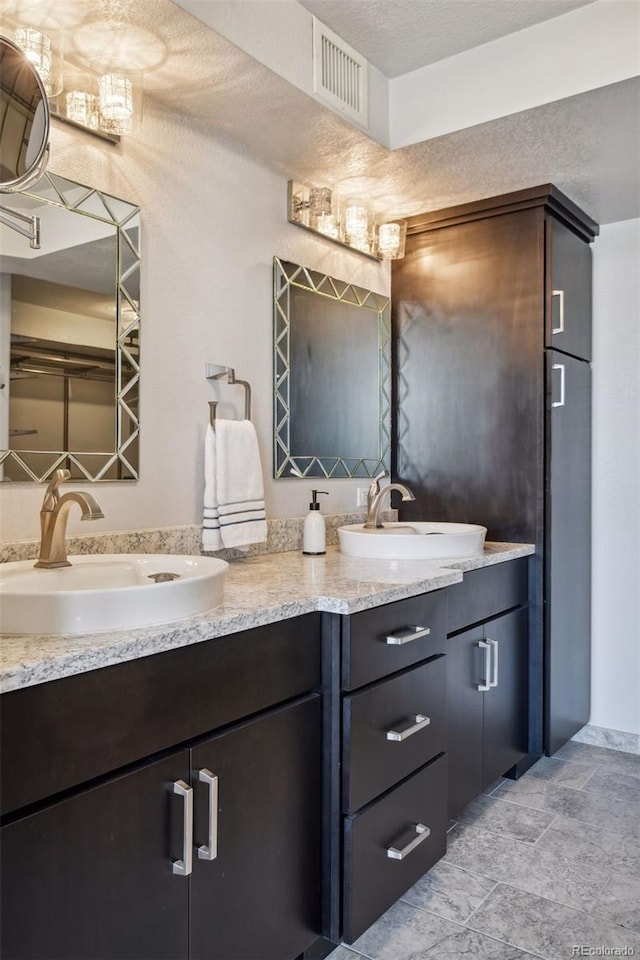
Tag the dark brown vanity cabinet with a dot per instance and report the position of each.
(492, 329)
(211, 848)
(394, 764)
(487, 679)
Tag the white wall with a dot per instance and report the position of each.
(551, 60)
(616, 478)
(214, 216)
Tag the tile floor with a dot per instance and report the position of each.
(547, 866)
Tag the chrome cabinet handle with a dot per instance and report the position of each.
(183, 867)
(560, 295)
(420, 723)
(406, 636)
(494, 646)
(209, 851)
(560, 367)
(486, 685)
(422, 833)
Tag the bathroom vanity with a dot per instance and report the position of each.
(262, 780)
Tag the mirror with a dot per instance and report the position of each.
(70, 336)
(332, 376)
(24, 120)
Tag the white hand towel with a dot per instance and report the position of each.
(239, 486)
(211, 539)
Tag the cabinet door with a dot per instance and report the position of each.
(568, 326)
(464, 711)
(260, 896)
(91, 876)
(468, 302)
(568, 550)
(505, 727)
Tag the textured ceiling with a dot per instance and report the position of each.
(398, 36)
(588, 145)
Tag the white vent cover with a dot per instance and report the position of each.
(340, 74)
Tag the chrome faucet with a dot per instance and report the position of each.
(375, 506)
(53, 520)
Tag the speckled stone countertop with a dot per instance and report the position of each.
(259, 590)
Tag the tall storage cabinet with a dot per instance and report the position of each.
(492, 332)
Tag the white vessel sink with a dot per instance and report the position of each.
(413, 541)
(107, 592)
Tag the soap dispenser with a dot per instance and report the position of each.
(313, 531)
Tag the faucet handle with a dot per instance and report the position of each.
(51, 495)
(374, 487)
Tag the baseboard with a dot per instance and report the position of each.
(613, 739)
(318, 950)
(521, 766)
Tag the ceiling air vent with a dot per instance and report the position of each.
(340, 74)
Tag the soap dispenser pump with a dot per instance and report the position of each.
(313, 531)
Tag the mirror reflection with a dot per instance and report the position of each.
(69, 329)
(24, 119)
(332, 376)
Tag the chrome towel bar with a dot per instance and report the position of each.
(215, 371)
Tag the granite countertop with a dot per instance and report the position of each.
(259, 590)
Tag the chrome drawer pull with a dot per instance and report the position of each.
(486, 684)
(420, 723)
(406, 636)
(209, 851)
(494, 646)
(183, 867)
(560, 327)
(422, 833)
(560, 367)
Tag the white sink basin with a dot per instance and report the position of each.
(413, 541)
(107, 592)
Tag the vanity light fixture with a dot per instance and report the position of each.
(101, 93)
(348, 222)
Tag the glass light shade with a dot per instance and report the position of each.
(319, 202)
(328, 224)
(357, 227)
(43, 48)
(356, 221)
(391, 240)
(82, 108)
(116, 102)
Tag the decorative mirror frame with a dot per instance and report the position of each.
(118, 213)
(286, 463)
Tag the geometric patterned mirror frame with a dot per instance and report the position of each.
(120, 462)
(344, 463)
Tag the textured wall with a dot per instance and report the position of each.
(214, 216)
(616, 479)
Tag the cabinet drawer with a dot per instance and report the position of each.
(373, 880)
(378, 642)
(487, 592)
(84, 726)
(372, 762)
